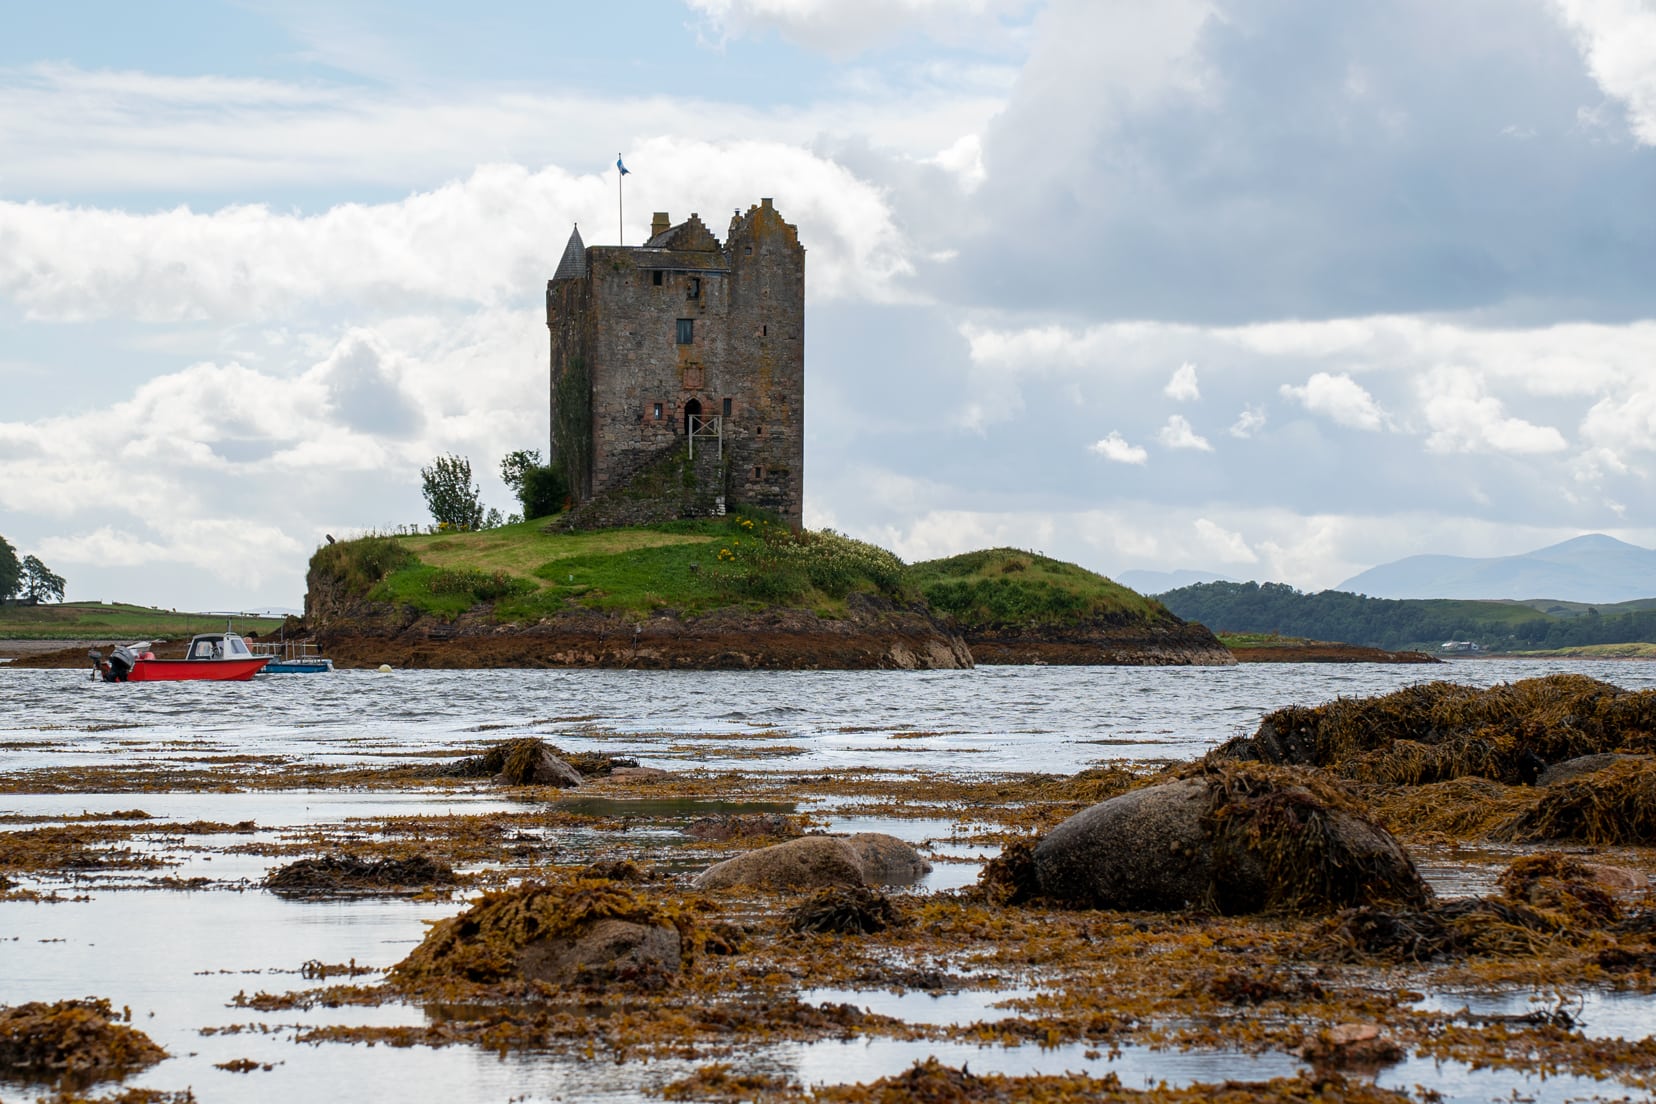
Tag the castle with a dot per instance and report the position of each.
(678, 371)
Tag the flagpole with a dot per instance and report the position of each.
(620, 204)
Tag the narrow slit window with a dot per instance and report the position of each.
(686, 331)
(694, 290)
(726, 409)
(656, 412)
(758, 473)
(760, 432)
(655, 277)
(764, 331)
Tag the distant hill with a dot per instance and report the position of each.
(1155, 582)
(1593, 569)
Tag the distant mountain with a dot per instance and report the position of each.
(1160, 582)
(1594, 568)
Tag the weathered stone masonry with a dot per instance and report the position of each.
(644, 337)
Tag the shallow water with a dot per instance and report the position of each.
(179, 958)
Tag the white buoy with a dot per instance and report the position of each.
(385, 668)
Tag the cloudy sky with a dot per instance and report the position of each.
(1275, 288)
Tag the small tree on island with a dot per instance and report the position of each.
(10, 570)
(450, 494)
(39, 583)
(540, 488)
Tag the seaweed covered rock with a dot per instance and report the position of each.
(729, 826)
(1234, 838)
(814, 862)
(75, 1042)
(525, 762)
(332, 875)
(586, 931)
(1461, 927)
(1439, 730)
(845, 910)
(1614, 805)
(1557, 882)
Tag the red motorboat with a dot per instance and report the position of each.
(214, 657)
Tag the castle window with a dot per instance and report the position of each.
(758, 473)
(694, 291)
(760, 432)
(656, 412)
(727, 405)
(764, 331)
(686, 331)
(747, 250)
(655, 277)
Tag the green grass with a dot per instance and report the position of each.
(97, 621)
(1005, 586)
(1260, 640)
(686, 566)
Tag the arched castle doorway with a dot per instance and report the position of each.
(692, 409)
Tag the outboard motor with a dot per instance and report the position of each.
(121, 662)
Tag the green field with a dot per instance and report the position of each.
(115, 621)
(688, 567)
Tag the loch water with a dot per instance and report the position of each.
(178, 957)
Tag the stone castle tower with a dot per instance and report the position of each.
(678, 370)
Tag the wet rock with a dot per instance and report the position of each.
(887, 860)
(525, 762)
(731, 826)
(343, 874)
(75, 1042)
(1571, 769)
(1351, 1045)
(604, 950)
(1235, 839)
(813, 862)
(583, 931)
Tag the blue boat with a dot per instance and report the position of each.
(291, 658)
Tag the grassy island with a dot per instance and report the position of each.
(686, 567)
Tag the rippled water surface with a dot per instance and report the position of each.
(990, 719)
(178, 958)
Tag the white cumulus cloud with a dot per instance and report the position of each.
(1177, 433)
(1618, 40)
(1338, 397)
(1249, 422)
(1118, 448)
(1183, 386)
(1463, 417)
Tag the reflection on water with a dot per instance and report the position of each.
(179, 959)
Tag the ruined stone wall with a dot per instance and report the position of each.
(744, 360)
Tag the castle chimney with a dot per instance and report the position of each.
(659, 224)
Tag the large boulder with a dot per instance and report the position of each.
(587, 931)
(814, 862)
(1232, 838)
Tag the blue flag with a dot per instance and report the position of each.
(619, 165)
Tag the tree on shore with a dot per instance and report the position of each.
(10, 570)
(39, 582)
(540, 488)
(450, 494)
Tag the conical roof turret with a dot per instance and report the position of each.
(573, 266)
